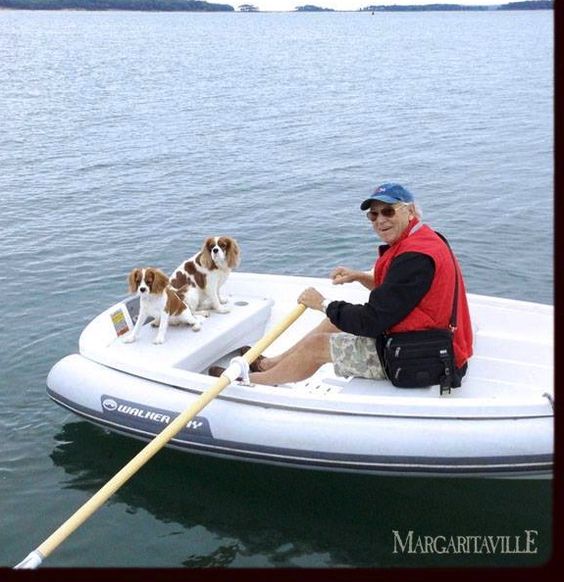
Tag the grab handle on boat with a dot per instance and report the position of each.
(36, 557)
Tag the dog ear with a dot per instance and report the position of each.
(160, 282)
(205, 254)
(134, 279)
(233, 253)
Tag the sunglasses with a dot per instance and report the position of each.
(386, 212)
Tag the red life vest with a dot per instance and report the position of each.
(435, 309)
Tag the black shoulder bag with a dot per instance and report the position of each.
(416, 359)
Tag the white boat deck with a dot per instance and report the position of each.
(184, 348)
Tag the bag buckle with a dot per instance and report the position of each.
(445, 387)
(446, 379)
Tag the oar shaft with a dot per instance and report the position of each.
(99, 498)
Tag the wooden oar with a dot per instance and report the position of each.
(34, 559)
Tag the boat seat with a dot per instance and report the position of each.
(184, 348)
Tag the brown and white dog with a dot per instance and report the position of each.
(208, 270)
(158, 299)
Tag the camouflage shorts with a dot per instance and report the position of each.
(355, 355)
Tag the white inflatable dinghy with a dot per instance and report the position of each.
(499, 423)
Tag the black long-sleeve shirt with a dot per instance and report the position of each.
(408, 279)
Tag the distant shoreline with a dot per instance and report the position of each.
(201, 6)
(436, 7)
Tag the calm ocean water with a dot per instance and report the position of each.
(127, 138)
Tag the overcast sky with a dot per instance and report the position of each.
(353, 4)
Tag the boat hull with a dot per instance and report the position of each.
(306, 436)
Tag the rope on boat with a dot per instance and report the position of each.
(549, 398)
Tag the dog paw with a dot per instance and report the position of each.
(128, 339)
(155, 323)
(223, 300)
(223, 309)
(204, 313)
(197, 327)
(158, 340)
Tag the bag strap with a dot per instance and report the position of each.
(453, 316)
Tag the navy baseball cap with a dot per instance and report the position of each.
(388, 193)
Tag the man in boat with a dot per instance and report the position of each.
(412, 287)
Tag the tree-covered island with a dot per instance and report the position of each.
(312, 8)
(527, 5)
(146, 5)
(530, 5)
